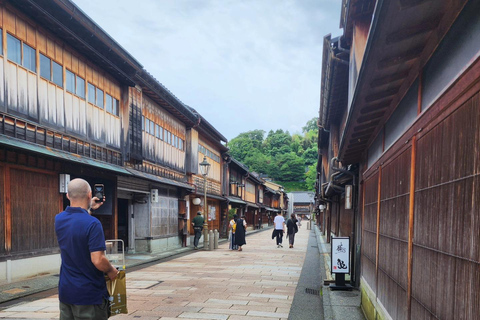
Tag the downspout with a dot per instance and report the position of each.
(354, 203)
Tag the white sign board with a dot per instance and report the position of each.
(348, 197)
(340, 255)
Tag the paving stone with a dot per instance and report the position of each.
(209, 316)
(267, 314)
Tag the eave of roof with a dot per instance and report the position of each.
(334, 84)
(165, 98)
(399, 44)
(68, 22)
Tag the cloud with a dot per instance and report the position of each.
(244, 65)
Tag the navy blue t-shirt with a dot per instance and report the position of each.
(78, 234)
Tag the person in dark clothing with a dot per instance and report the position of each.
(197, 228)
(292, 228)
(82, 289)
(240, 233)
(233, 226)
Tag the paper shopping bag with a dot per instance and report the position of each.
(117, 289)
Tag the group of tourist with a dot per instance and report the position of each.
(279, 229)
(238, 227)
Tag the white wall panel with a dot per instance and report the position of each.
(12, 86)
(32, 95)
(22, 87)
(60, 107)
(51, 104)
(68, 111)
(82, 120)
(76, 114)
(43, 99)
(2, 84)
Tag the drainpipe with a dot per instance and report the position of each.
(354, 203)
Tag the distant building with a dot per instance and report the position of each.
(302, 203)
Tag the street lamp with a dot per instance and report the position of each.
(204, 168)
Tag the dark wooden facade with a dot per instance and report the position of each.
(74, 102)
(412, 129)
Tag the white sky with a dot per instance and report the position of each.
(242, 64)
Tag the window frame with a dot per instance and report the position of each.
(34, 70)
(9, 58)
(49, 67)
(55, 64)
(76, 87)
(94, 91)
(67, 72)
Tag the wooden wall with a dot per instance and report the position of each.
(39, 99)
(421, 239)
(215, 172)
(30, 200)
(157, 149)
(250, 195)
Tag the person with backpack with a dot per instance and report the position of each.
(292, 228)
(233, 227)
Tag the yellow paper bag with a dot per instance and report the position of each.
(117, 289)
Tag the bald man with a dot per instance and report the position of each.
(82, 290)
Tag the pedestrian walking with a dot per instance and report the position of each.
(197, 228)
(82, 289)
(241, 227)
(292, 228)
(279, 229)
(233, 227)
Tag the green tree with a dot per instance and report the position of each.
(259, 163)
(310, 156)
(311, 125)
(311, 177)
(241, 147)
(297, 144)
(289, 167)
(276, 140)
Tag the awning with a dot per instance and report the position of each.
(236, 200)
(158, 179)
(249, 204)
(59, 154)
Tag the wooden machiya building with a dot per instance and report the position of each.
(235, 190)
(74, 103)
(242, 191)
(204, 141)
(399, 122)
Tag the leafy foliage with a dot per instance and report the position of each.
(281, 156)
(310, 177)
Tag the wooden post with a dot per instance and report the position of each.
(8, 211)
(378, 227)
(411, 213)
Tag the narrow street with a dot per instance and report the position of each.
(257, 283)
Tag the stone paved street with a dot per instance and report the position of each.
(257, 283)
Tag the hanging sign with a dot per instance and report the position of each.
(340, 255)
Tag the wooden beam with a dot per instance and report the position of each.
(382, 94)
(411, 212)
(399, 58)
(370, 117)
(8, 211)
(425, 26)
(366, 126)
(420, 90)
(404, 4)
(378, 227)
(397, 76)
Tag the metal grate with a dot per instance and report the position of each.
(312, 291)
